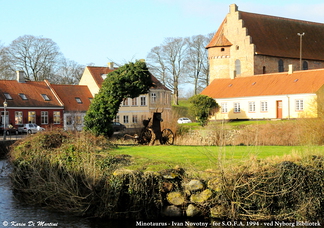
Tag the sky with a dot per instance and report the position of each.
(100, 31)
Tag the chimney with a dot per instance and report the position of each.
(20, 76)
(111, 65)
(290, 69)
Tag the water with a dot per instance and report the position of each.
(15, 214)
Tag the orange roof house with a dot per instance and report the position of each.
(249, 44)
(279, 95)
(76, 100)
(30, 101)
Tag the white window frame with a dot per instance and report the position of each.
(251, 106)
(237, 107)
(56, 117)
(264, 106)
(125, 102)
(134, 118)
(134, 101)
(299, 105)
(31, 116)
(143, 101)
(125, 119)
(224, 107)
(44, 117)
(153, 98)
(19, 117)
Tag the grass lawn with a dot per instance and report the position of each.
(205, 157)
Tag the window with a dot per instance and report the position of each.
(264, 106)
(125, 119)
(23, 96)
(238, 67)
(224, 107)
(78, 120)
(68, 120)
(31, 117)
(134, 101)
(299, 105)
(78, 100)
(18, 117)
(117, 118)
(44, 117)
(134, 118)
(280, 65)
(237, 107)
(46, 98)
(305, 65)
(125, 102)
(143, 101)
(8, 96)
(222, 49)
(251, 106)
(264, 70)
(153, 97)
(56, 117)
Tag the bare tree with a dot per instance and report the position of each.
(197, 62)
(5, 72)
(69, 72)
(37, 56)
(166, 62)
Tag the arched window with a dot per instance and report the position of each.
(305, 65)
(281, 66)
(238, 67)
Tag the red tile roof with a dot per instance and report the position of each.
(69, 93)
(33, 91)
(299, 82)
(219, 39)
(97, 73)
(277, 36)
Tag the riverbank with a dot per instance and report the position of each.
(79, 174)
(5, 148)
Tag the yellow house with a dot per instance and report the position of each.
(270, 96)
(132, 111)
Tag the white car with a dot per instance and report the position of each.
(183, 120)
(30, 128)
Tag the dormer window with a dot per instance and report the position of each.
(23, 96)
(78, 100)
(8, 96)
(104, 76)
(46, 98)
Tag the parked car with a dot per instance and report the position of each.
(118, 126)
(29, 128)
(183, 120)
(9, 131)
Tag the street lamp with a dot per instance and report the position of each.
(300, 54)
(5, 104)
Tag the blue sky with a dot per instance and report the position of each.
(99, 31)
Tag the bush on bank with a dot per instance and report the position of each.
(76, 173)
